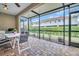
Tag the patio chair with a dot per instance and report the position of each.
(3, 39)
(19, 39)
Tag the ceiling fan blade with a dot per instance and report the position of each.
(17, 4)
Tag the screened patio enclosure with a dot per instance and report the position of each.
(60, 25)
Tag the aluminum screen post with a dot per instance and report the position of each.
(63, 24)
(69, 26)
(39, 20)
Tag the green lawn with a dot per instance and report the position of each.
(56, 30)
(47, 31)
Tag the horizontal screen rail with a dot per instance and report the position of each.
(54, 31)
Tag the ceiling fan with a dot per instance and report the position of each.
(5, 6)
(17, 4)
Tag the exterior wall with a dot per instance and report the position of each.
(17, 23)
(7, 21)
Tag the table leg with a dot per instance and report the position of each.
(14, 42)
(18, 46)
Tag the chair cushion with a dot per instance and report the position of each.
(4, 41)
(2, 35)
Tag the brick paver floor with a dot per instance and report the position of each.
(40, 47)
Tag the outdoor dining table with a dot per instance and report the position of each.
(14, 37)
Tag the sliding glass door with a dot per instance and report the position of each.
(74, 25)
(23, 25)
(74, 32)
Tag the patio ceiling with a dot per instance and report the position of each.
(40, 8)
(13, 9)
(43, 8)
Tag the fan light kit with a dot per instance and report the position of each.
(5, 6)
